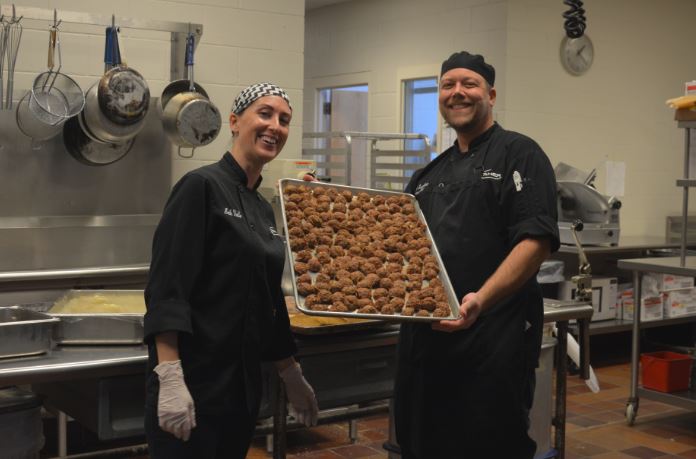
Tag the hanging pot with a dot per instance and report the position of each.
(84, 146)
(116, 106)
(189, 118)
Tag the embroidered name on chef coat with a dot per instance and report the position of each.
(273, 231)
(233, 212)
(421, 187)
(490, 175)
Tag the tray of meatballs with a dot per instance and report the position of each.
(363, 253)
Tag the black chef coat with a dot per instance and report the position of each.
(215, 276)
(465, 394)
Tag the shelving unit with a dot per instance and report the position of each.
(682, 265)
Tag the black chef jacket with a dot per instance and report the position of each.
(215, 276)
(464, 394)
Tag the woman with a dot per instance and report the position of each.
(215, 309)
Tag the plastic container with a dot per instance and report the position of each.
(665, 371)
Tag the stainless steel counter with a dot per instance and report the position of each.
(73, 362)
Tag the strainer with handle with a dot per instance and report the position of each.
(55, 97)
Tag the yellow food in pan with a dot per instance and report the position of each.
(100, 303)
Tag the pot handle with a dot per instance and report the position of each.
(190, 40)
(117, 49)
(109, 50)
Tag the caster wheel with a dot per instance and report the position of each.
(631, 413)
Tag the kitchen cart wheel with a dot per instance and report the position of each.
(631, 412)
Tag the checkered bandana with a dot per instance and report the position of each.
(256, 91)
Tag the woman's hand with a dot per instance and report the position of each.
(303, 402)
(175, 410)
(310, 176)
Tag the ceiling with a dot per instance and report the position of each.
(313, 4)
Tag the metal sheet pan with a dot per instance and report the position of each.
(24, 332)
(97, 327)
(303, 324)
(452, 300)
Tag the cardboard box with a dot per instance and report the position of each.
(650, 308)
(624, 289)
(679, 302)
(653, 284)
(603, 296)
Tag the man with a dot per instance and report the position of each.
(464, 388)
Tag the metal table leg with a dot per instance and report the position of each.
(633, 401)
(559, 419)
(62, 422)
(279, 423)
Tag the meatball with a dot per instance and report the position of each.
(322, 277)
(324, 258)
(319, 307)
(349, 290)
(297, 243)
(367, 309)
(301, 268)
(397, 304)
(324, 295)
(395, 258)
(314, 265)
(387, 309)
(311, 300)
(385, 282)
(407, 311)
(338, 307)
(363, 292)
(351, 302)
(357, 276)
(422, 313)
(303, 256)
(441, 312)
(337, 251)
(304, 278)
(397, 292)
(305, 289)
(380, 292)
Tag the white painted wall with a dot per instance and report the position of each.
(615, 112)
(243, 42)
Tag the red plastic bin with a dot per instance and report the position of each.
(665, 371)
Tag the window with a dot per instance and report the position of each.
(420, 111)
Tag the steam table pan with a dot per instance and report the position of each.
(102, 324)
(24, 332)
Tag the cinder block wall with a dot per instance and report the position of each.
(244, 41)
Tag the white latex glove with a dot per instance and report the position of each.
(303, 403)
(175, 409)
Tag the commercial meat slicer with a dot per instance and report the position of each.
(578, 200)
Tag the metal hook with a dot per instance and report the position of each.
(15, 19)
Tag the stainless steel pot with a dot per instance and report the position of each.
(84, 146)
(189, 118)
(116, 106)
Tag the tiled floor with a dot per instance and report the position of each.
(596, 428)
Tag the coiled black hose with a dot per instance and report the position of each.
(574, 19)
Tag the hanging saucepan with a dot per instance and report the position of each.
(88, 151)
(83, 143)
(189, 118)
(116, 106)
